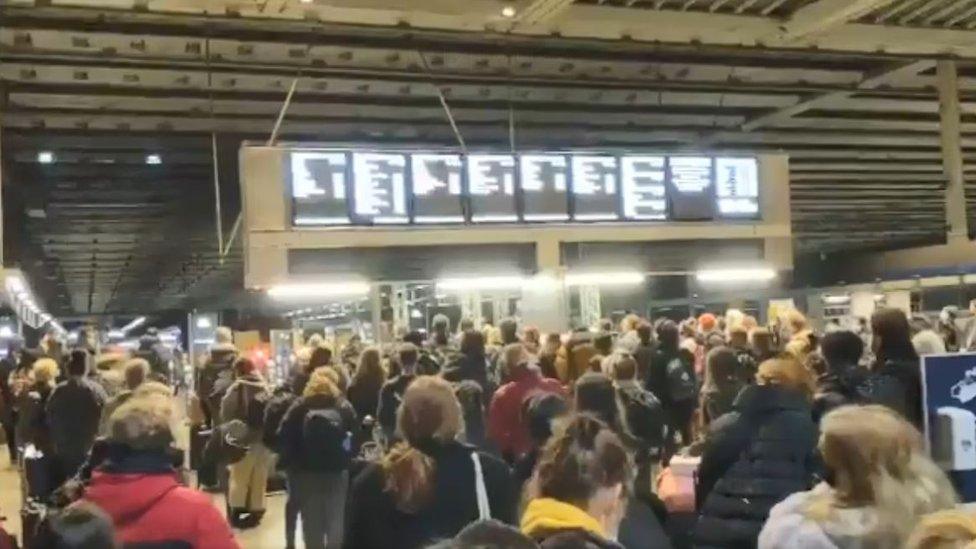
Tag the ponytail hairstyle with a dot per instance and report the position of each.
(579, 460)
(429, 416)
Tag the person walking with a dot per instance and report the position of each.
(429, 486)
(248, 480)
(391, 395)
(137, 371)
(74, 413)
(723, 382)
(315, 445)
(216, 375)
(843, 380)
(895, 379)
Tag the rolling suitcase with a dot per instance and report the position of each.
(31, 516)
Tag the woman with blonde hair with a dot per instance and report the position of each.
(315, 448)
(879, 485)
(950, 529)
(31, 400)
(427, 487)
(756, 455)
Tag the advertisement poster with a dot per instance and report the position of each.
(949, 396)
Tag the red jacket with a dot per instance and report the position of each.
(505, 425)
(156, 508)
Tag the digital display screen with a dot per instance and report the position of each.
(595, 188)
(491, 187)
(691, 189)
(380, 187)
(544, 180)
(437, 188)
(737, 187)
(318, 186)
(643, 187)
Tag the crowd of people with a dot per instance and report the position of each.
(507, 437)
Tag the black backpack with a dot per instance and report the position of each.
(681, 382)
(274, 412)
(256, 408)
(325, 441)
(645, 416)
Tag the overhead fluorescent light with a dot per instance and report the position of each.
(154, 160)
(134, 324)
(508, 11)
(6, 332)
(415, 313)
(734, 275)
(480, 283)
(116, 334)
(618, 278)
(15, 285)
(45, 157)
(320, 289)
(836, 299)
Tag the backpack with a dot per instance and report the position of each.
(325, 441)
(681, 383)
(274, 412)
(645, 416)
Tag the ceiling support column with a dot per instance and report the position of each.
(3, 103)
(950, 126)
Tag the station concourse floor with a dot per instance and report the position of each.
(269, 535)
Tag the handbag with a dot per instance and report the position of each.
(480, 490)
(231, 438)
(676, 484)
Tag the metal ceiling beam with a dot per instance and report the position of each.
(540, 11)
(823, 15)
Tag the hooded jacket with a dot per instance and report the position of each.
(847, 528)
(152, 507)
(559, 525)
(754, 457)
(837, 388)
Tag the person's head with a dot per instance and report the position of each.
(621, 367)
(370, 369)
(763, 342)
(81, 525)
(323, 381)
(552, 344)
(429, 416)
(629, 323)
(841, 349)
(532, 336)
(414, 337)
(586, 465)
(738, 337)
(244, 366)
(949, 529)
(644, 332)
(315, 341)
(795, 322)
(540, 411)
(667, 335)
(874, 458)
(508, 330)
(321, 356)
(223, 336)
(707, 323)
(78, 363)
(407, 356)
(45, 371)
(472, 343)
(516, 359)
(440, 327)
(595, 394)
(605, 325)
(465, 324)
(721, 367)
(143, 423)
(786, 372)
(928, 342)
(487, 534)
(136, 372)
(891, 336)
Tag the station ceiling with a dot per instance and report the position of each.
(846, 87)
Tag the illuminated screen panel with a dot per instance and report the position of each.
(737, 187)
(491, 187)
(318, 187)
(642, 180)
(380, 187)
(691, 188)
(544, 180)
(437, 188)
(595, 188)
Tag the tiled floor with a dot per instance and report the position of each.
(270, 535)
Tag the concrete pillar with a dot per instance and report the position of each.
(544, 303)
(471, 306)
(376, 313)
(952, 162)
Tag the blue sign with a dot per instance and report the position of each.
(949, 396)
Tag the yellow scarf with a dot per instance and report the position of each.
(548, 515)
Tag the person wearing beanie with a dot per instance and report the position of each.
(707, 323)
(74, 412)
(137, 486)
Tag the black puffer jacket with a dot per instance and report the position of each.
(754, 457)
(837, 388)
(896, 384)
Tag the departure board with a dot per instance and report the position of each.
(373, 187)
(491, 187)
(737, 187)
(318, 186)
(594, 187)
(437, 188)
(544, 180)
(380, 187)
(643, 192)
(691, 189)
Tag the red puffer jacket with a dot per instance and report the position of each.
(155, 508)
